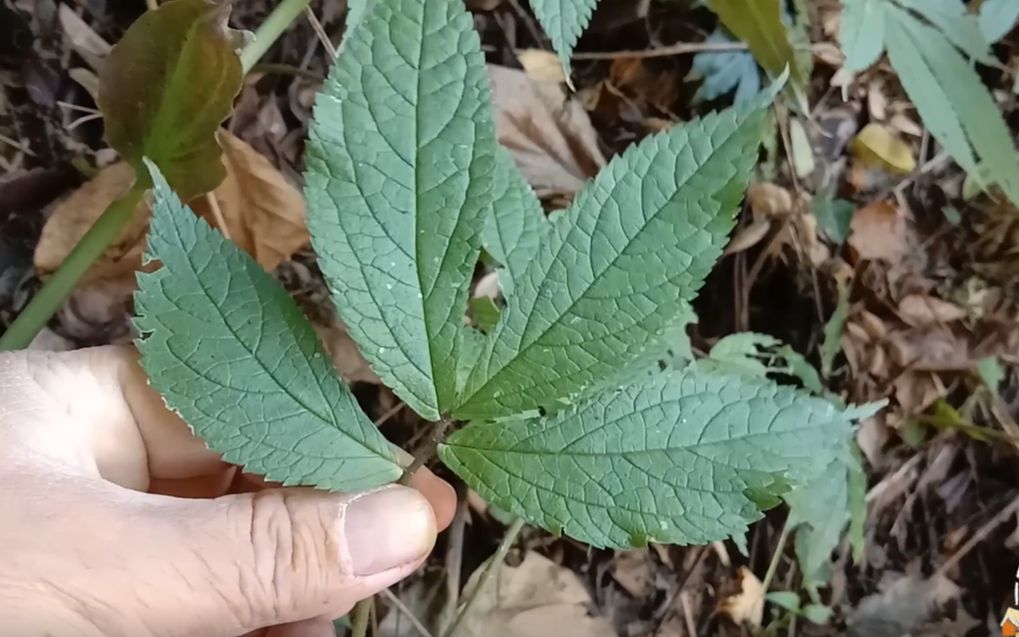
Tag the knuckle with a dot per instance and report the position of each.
(295, 544)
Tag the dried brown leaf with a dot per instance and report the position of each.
(920, 309)
(264, 214)
(878, 231)
(769, 200)
(549, 135)
(542, 65)
(538, 598)
(747, 606)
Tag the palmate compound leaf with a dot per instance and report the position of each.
(682, 457)
(613, 272)
(231, 352)
(400, 160)
(952, 100)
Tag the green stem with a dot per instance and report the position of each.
(490, 569)
(362, 613)
(91, 246)
(270, 30)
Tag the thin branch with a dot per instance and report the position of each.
(438, 435)
(320, 32)
(680, 48)
(454, 558)
(490, 569)
(981, 534)
(402, 608)
(776, 558)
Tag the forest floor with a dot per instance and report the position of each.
(924, 294)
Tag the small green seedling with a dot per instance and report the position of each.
(571, 424)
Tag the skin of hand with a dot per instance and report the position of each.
(115, 520)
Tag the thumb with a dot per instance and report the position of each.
(242, 562)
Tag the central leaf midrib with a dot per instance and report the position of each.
(332, 423)
(430, 341)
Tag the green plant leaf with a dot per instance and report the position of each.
(834, 216)
(820, 510)
(862, 33)
(959, 26)
(832, 343)
(400, 162)
(725, 71)
(953, 102)
(165, 88)
(997, 18)
(515, 223)
(786, 599)
(231, 352)
(740, 353)
(759, 24)
(817, 613)
(485, 313)
(613, 272)
(681, 457)
(564, 21)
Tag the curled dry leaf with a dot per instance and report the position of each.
(549, 135)
(878, 231)
(749, 236)
(264, 214)
(538, 598)
(746, 606)
(876, 146)
(920, 309)
(769, 200)
(541, 65)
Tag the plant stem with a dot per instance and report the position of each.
(438, 435)
(91, 246)
(776, 558)
(490, 569)
(270, 30)
(362, 613)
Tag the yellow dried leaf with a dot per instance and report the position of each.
(747, 606)
(541, 65)
(876, 146)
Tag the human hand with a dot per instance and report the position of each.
(115, 520)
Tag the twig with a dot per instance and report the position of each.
(401, 607)
(454, 558)
(979, 536)
(384, 418)
(680, 48)
(362, 613)
(776, 558)
(490, 569)
(438, 435)
(320, 32)
(16, 145)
